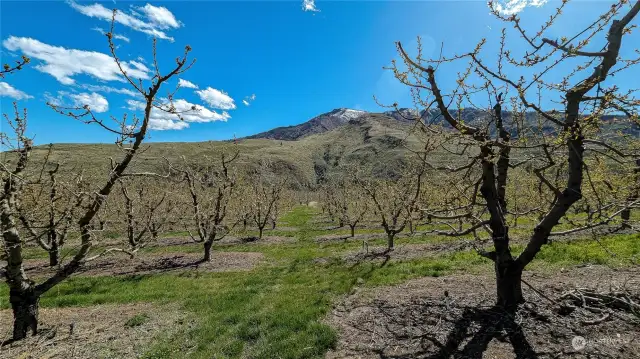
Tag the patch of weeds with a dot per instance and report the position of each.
(137, 320)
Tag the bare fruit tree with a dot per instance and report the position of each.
(394, 200)
(146, 207)
(266, 191)
(24, 292)
(332, 201)
(567, 151)
(212, 190)
(243, 207)
(350, 202)
(49, 206)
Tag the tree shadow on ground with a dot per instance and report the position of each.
(469, 337)
(432, 330)
(494, 322)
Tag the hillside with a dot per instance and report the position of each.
(306, 153)
(338, 137)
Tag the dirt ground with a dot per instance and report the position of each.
(406, 251)
(347, 237)
(154, 263)
(104, 331)
(454, 316)
(360, 236)
(181, 241)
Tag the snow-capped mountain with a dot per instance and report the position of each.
(319, 124)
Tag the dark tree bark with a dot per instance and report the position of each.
(25, 305)
(54, 254)
(207, 251)
(390, 240)
(508, 284)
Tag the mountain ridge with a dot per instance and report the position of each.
(319, 124)
(341, 116)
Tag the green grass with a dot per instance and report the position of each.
(276, 310)
(613, 251)
(137, 320)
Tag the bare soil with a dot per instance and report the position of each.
(266, 239)
(360, 236)
(347, 237)
(98, 331)
(405, 251)
(454, 317)
(228, 240)
(155, 263)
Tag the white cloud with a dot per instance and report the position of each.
(139, 65)
(7, 90)
(121, 37)
(162, 120)
(96, 102)
(217, 99)
(160, 124)
(63, 63)
(108, 89)
(248, 99)
(115, 36)
(149, 19)
(135, 105)
(160, 16)
(511, 7)
(309, 5)
(187, 84)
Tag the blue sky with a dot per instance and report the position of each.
(297, 63)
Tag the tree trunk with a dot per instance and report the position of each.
(207, 251)
(390, 237)
(25, 312)
(509, 285)
(260, 232)
(273, 224)
(52, 240)
(244, 224)
(626, 216)
(353, 230)
(54, 255)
